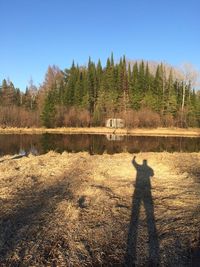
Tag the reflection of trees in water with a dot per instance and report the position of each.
(97, 144)
(145, 144)
(159, 144)
(15, 143)
(94, 144)
(75, 143)
(47, 142)
(61, 143)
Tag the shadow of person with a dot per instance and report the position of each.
(143, 194)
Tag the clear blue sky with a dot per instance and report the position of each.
(38, 33)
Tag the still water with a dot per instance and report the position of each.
(94, 144)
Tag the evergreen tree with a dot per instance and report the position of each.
(158, 89)
(170, 101)
(148, 79)
(92, 85)
(70, 82)
(49, 110)
(136, 96)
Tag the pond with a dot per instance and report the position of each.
(94, 144)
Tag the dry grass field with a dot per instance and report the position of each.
(82, 210)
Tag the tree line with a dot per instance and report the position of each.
(142, 93)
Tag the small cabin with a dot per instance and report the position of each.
(115, 123)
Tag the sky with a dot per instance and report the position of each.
(37, 33)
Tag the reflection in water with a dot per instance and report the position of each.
(142, 194)
(114, 137)
(94, 144)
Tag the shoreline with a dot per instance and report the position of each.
(176, 132)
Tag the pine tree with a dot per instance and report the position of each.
(49, 110)
(91, 83)
(78, 90)
(158, 89)
(99, 73)
(5, 93)
(148, 79)
(136, 96)
(70, 82)
(141, 78)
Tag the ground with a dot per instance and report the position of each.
(101, 210)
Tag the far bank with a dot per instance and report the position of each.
(189, 132)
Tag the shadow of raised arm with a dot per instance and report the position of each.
(135, 164)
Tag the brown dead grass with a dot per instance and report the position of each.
(75, 209)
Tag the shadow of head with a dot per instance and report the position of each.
(144, 162)
(143, 170)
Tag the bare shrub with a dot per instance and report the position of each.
(181, 118)
(60, 116)
(70, 117)
(84, 118)
(77, 118)
(148, 118)
(168, 120)
(13, 116)
(130, 117)
(99, 117)
(29, 118)
(7, 116)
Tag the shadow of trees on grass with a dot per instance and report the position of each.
(31, 211)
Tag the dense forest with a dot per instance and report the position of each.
(142, 93)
